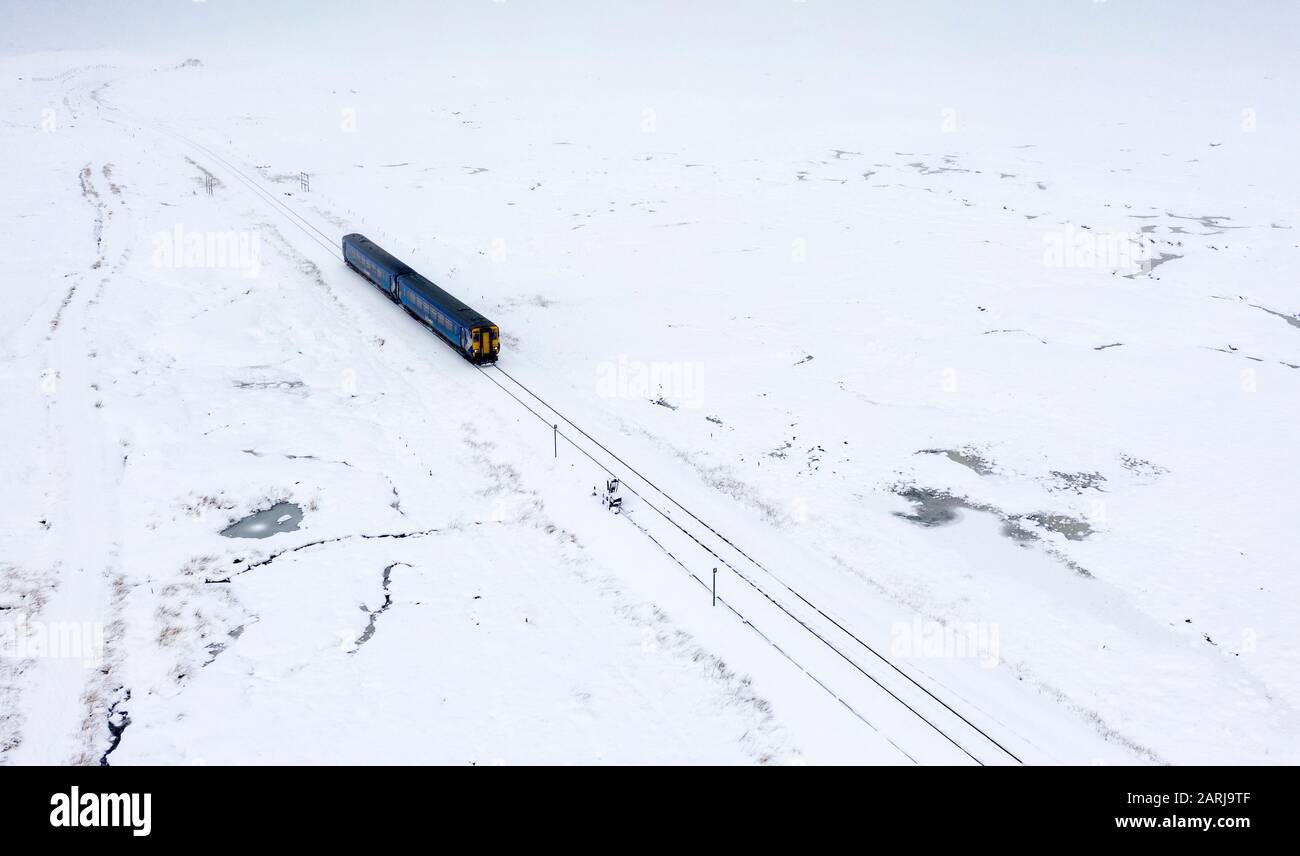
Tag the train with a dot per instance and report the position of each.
(475, 337)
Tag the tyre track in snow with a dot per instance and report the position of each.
(65, 714)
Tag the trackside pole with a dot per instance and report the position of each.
(555, 440)
(715, 586)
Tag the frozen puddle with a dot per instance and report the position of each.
(968, 458)
(939, 508)
(281, 517)
(931, 508)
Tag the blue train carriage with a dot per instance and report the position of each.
(477, 338)
(374, 263)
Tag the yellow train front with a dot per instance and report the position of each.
(484, 342)
(477, 338)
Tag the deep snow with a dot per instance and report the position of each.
(989, 350)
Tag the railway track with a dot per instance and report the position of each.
(684, 534)
(916, 719)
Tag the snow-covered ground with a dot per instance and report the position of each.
(964, 345)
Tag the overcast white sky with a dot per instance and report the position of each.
(1010, 67)
(1211, 32)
